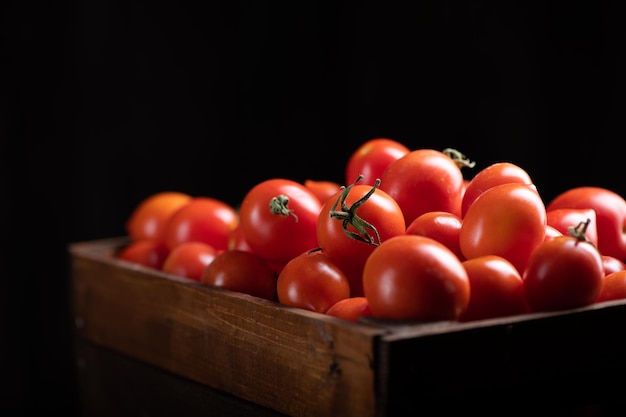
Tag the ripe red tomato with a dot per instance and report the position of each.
(189, 259)
(203, 219)
(424, 180)
(552, 232)
(411, 277)
(351, 309)
(241, 271)
(442, 226)
(613, 287)
(565, 218)
(563, 272)
(363, 207)
(371, 159)
(278, 218)
(313, 282)
(322, 189)
(508, 220)
(496, 289)
(494, 174)
(612, 264)
(610, 209)
(150, 217)
(147, 252)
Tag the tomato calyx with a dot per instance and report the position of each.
(579, 231)
(459, 158)
(348, 215)
(278, 206)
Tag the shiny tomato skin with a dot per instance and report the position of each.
(563, 273)
(508, 220)
(350, 309)
(552, 232)
(147, 252)
(189, 259)
(612, 264)
(371, 159)
(416, 278)
(322, 189)
(496, 289)
(494, 174)
(241, 271)
(564, 218)
(150, 217)
(613, 287)
(424, 180)
(312, 281)
(379, 210)
(203, 219)
(442, 226)
(279, 237)
(610, 209)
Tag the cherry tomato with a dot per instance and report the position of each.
(563, 272)
(371, 159)
(442, 226)
(552, 232)
(203, 219)
(411, 277)
(313, 282)
(149, 219)
(496, 289)
(189, 259)
(147, 252)
(353, 223)
(237, 240)
(494, 174)
(508, 220)
(565, 218)
(351, 309)
(278, 218)
(424, 180)
(613, 287)
(322, 189)
(241, 271)
(610, 209)
(612, 264)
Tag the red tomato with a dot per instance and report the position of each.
(413, 277)
(612, 264)
(442, 226)
(313, 282)
(353, 223)
(565, 218)
(494, 174)
(147, 252)
(508, 220)
(552, 232)
(278, 218)
(322, 189)
(149, 219)
(424, 180)
(613, 287)
(237, 240)
(203, 219)
(372, 158)
(189, 259)
(610, 209)
(351, 309)
(241, 271)
(563, 272)
(496, 289)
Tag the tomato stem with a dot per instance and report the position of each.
(348, 215)
(278, 205)
(459, 158)
(579, 231)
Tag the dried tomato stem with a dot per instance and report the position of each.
(579, 231)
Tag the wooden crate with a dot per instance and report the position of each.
(305, 364)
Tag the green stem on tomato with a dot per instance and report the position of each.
(278, 205)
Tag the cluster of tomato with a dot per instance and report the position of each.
(407, 238)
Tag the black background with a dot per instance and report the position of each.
(106, 102)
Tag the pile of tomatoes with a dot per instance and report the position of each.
(409, 236)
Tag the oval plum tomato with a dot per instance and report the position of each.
(312, 281)
(442, 226)
(147, 252)
(413, 277)
(149, 219)
(610, 209)
(241, 271)
(189, 259)
(613, 287)
(508, 220)
(371, 159)
(494, 174)
(563, 272)
(278, 218)
(203, 219)
(424, 180)
(353, 223)
(351, 309)
(322, 189)
(612, 264)
(496, 289)
(566, 218)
